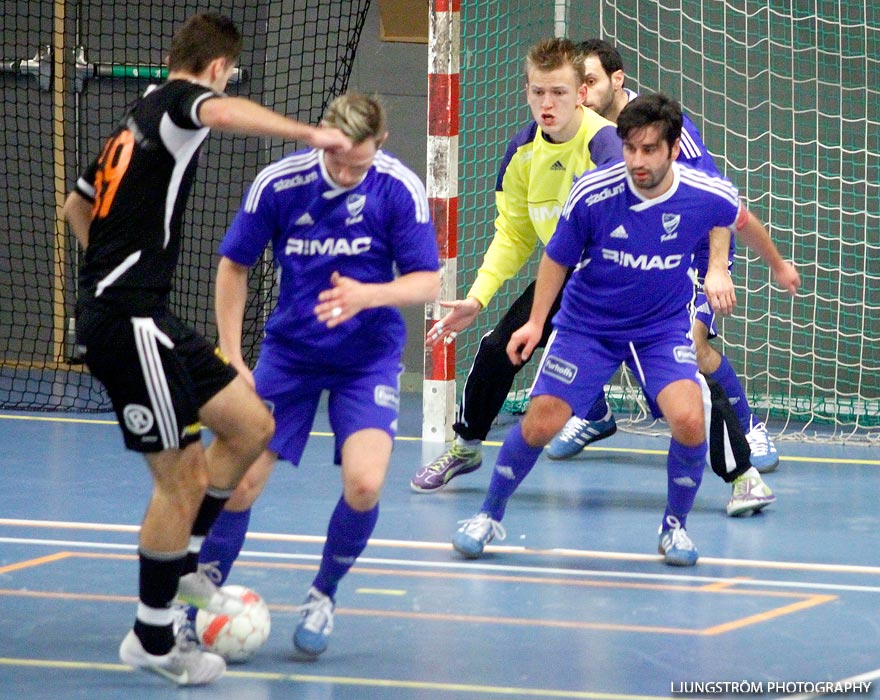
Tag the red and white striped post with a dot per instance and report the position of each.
(438, 397)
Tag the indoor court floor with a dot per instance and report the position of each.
(575, 603)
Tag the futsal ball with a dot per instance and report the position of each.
(238, 637)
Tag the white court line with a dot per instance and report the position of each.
(477, 567)
(499, 549)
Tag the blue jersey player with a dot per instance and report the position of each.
(628, 232)
(352, 237)
(606, 94)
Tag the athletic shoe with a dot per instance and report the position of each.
(475, 533)
(183, 666)
(316, 623)
(577, 434)
(457, 460)
(184, 628)
(675, 545)
(200, 590)
(764, 457)
(750, 494)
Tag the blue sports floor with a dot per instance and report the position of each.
(575, 603)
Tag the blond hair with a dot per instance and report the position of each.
(357, 116)
(549, 54)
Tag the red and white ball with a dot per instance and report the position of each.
(236, 638)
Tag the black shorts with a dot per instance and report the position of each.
(158, 373)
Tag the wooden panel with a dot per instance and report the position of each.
(404, 20)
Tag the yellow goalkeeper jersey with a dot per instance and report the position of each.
(533, 184)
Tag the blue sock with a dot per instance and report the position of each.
(347, 536)
(598, 411)
(732, 386)
(515, 460)
(223, 544)
(684, 471)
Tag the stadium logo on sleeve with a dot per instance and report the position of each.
(559, 369)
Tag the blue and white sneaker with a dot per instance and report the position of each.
(578, 433)
(316, 623)
(675, 545)
(475, 533)
(764, 457)
(184, 627)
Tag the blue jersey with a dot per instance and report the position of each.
(694, 153)
(367, 232)
(632, 256)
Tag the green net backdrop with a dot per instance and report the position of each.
(787, 101)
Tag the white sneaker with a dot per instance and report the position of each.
(764, 456)
(315, 624)
(200, 590)
(183, 666)
(750, 494)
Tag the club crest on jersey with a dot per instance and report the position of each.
(670, 225)
(559, 369)
(355, 205)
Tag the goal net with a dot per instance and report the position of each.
(787, 102)
(68, 71)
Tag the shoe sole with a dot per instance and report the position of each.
(465, 470)
(600, 436)
(747, 511)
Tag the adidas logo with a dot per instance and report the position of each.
(619, 232)
(305, 220)
(557, 166)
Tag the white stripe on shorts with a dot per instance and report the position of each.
(146, 336)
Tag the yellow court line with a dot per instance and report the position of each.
(491, 443)
(39, 561)
(350, 680)
(805, 600)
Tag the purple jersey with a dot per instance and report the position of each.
(632, 256)
(369, 232)
(694, 153)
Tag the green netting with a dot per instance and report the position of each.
(68, 70)
(786, 98)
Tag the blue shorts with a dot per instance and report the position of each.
(576, 366)
(705, 314)
(368, 397)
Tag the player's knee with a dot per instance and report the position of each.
(362, 494)
(688, 427)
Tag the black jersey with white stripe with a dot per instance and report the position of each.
(139, 185)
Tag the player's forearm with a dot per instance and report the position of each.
(757, 238)
(551, 277)
(406, 290)
(230, 297)
(503, 259)
(78, 213)
(719, 249)
(242, 116)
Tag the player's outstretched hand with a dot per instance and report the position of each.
(787, 277)
(345, 298)
(523, 342)
(329, 140)
(463, 313)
